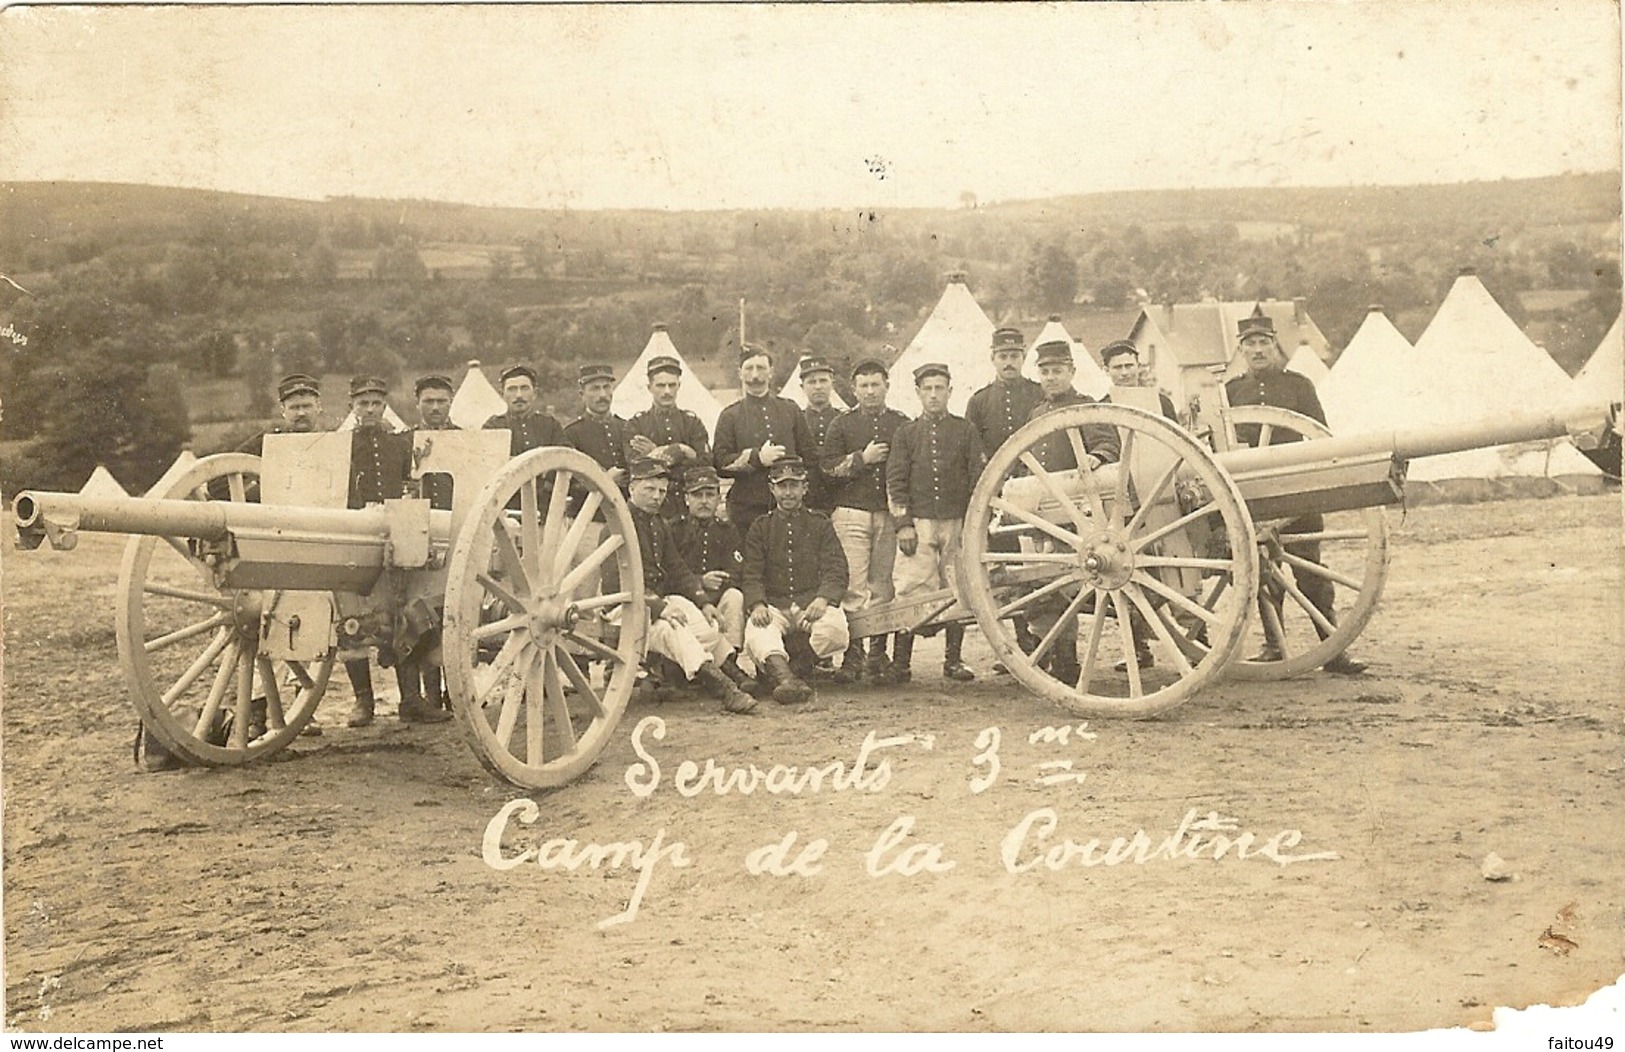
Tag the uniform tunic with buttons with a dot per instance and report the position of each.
(854, 483)
(998, 409)
(1055, 453)
(529, 431)
(665, 426)
(1285, 389)
(933, 466)
(820, 490)
(436, 488)
(603, 438)
(792, 558)
(742, 429)
(665, 572)
(708, 546)
(380, 463)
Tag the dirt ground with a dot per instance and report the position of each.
(342, 886)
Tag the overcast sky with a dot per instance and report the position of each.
(689, 106)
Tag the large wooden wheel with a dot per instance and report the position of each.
(1352, 558)
(536, 595)
(192, 652)
(1136, 544)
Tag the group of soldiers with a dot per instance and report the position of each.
(827, 513)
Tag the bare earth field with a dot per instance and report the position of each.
(342, 886)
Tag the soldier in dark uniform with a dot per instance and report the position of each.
(598, 432)
(1267, 382)
(996, 411)
(755, 433)
(417, 668)
(795, 578)
(684, 626)
(711, 548)
(1122, 361)
(818, 383)
(934, 464)
(528, 426)
(380, 464)
(854, 453)
(299, 399)
(1057, 371)
(667, 432)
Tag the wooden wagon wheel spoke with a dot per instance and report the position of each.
(1037, 522)
(532, 667)
(1300, 638)
(160, 619)
(1177, 537)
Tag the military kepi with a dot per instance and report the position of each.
(588, 373)
(787, 468)
(1256, 324)
(664, 363)
(1008, 339)
(648, 468)
(361, 385)
(1054, 351)
(296, 384)
(514, 371)
(814, 366)
(1115, 348)
(432, 380)
(698, 478)
(930, 369)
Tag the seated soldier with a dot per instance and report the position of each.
(683, 622)
(795, 578)
(710, 547)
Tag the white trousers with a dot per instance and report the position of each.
(931, 565)
(828, 636)
(870, 545)
(731, 605)
(690, 644)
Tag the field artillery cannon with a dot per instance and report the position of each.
(1205, 554)
(247, 576)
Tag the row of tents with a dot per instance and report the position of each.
(1471, 362)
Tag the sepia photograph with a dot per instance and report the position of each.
(796, 518)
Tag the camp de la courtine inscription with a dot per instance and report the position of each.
(1044, 840)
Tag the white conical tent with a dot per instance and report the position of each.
(1602, 377)
(792, 390)
(1374, 386)
(475, 400)
(1090, 379)
(632, 393)
(1305, 362)
(958, 334)
(101, 483)
(1476, 363)
(183, 463)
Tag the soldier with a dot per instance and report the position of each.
(1267, 382)
(1056, 373)
(818, 383)
(711, 549)
(996, 411)
(598, 432)
(755, 433)
(668, 433)
(795, 578)
(528, 426)
(380, 464)
(933, 466)
(854, 455)
(299, 399)
(683, 623)
(417, 668)
(1122, 361)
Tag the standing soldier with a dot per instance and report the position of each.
(996, 411)
(598, 432)
(380, 464)
(671, 435)
(933, 466)
(1122, 361)
(299, 400)
(854, 454)
(1267, 382)
(795, 577)
(417, 668)
(755, 433)
(818, 383)
(1056, 372)
(711, 549)
(528, 426)
(683, 624)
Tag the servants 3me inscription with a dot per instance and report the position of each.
(1032, 845)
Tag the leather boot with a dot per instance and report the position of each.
(724, 690)
(953, 665)
(361, 683)
(1063, 659)
(434, 691)
(902, 653)
(788, 688)
(414, 708)
(851, 670)
(731, 669)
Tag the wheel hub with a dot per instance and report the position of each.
(1106, 563)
